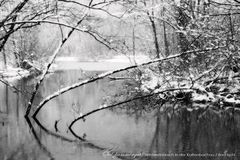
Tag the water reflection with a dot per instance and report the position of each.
(16, 142)
(125, 131)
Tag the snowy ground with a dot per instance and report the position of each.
(223, 95)
(117, 62)
(128, 59)
(14, 73)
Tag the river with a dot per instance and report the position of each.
(155, 135)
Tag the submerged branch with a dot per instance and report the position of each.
(103, 75)
(49, 65)
(84, 141)
(52, 133)
(43, 147)
(120, 103)
(78, 141)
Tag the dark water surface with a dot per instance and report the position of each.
(162, 135)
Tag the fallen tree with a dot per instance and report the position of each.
(106, 74)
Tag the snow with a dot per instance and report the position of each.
(67, 59)
(102, 106)
(14, 73)
(232, 100)
(190, 109)
(149, 81)
(200, 97)
(116, 59)
(199, 87)
(211, 96)
(128, 59)
(199, 105)
(150, 85)
(53, 67)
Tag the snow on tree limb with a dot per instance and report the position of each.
(123, 102)
(103, 75)
(48, 66)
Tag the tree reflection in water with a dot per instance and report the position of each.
(178, 128)
(185, 131)
(150, 126)
(41, 146)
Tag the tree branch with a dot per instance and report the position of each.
(44, 21)
(15, 10)
(43, 147)
(120, 103)
(48, 66)
(206, 72)
(90, 7)
(85, 142)
(93, 34)
(103, 75)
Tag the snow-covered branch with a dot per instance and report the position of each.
(103, 75)
(49, 65)
(123, 102)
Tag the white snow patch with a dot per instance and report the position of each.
(149, 81)
(152, 83)
(199, 87)
(189, 109)
(128, 59)
(200, 97)
(14, 73)
(102, 106)
(67, 59)
(232, 100)
(211, 96)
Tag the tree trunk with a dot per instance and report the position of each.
(4, 59)
(155, 37)
(165, 36)
(153, 26)
(5, 39)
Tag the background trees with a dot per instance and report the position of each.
(31, 29)
(157, 28)
(190, 40)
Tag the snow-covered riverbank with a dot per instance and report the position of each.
(14, 73)
(116, 62)
(221, 93)
(28, 69)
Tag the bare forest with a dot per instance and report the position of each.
(119, 79)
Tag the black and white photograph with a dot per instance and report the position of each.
(119, 79)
